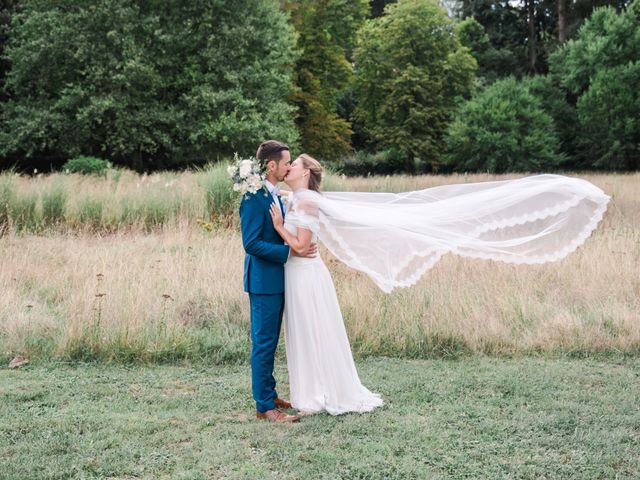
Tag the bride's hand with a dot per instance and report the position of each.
(276, 216)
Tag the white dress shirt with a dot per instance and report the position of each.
(275, 192)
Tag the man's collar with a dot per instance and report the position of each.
(269, 185)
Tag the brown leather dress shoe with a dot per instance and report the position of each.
(282, 403)
(276, 415)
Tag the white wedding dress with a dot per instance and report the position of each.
(395, 239)
(322, 373)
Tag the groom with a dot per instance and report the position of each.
(264, 262)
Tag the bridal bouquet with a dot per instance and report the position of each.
(246, 175)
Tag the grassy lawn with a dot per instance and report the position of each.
(471, 418)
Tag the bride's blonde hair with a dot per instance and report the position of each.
(315, 171)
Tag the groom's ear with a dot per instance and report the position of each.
(271, 165)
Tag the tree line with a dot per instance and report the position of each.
(367, 86)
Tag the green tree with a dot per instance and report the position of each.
(378, 6)
(524, 34)
(607, 39)
(6, 9)
(410, 72)
(599, 69)
(505, 25)
(473, 36)
(147, 84)
(553, 101)
(326, 36)
(609, 114)
(503, 129)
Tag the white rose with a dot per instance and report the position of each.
(245, 168)
(254, 181)
(236, 187)
(231, 170)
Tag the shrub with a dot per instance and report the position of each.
(86, 166)
(503, 129)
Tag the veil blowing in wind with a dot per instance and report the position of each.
(396, 238)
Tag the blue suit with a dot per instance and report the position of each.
(264, 262)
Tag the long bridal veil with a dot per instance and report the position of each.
(396, 238)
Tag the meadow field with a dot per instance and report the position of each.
(149, 268)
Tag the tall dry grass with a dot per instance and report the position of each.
(176, 292)
(124, 200)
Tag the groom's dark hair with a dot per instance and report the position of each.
(270, 150)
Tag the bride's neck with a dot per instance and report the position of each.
(298, 186)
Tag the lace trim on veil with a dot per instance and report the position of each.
(387, 285)
(582, 236)
(588, 200)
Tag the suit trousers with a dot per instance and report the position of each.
(266, 321)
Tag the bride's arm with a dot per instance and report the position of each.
(299, 243)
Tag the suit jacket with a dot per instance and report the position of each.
(265, 250)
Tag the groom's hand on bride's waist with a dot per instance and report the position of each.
(311, 252)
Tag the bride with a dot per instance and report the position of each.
(322, 374)
(395, 239)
